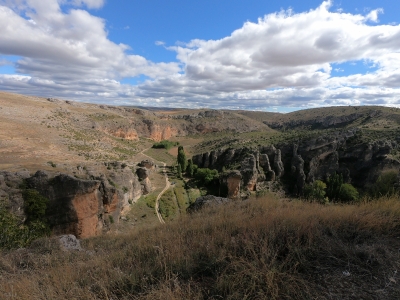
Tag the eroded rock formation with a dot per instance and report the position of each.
(303, 162)
(82, 207)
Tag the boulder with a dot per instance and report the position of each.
(206, 201)
(69, 242)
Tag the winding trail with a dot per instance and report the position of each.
(167, 186)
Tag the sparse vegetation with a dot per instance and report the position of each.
(165, 144)
(385, 184)
(289, 250)
(167, 205)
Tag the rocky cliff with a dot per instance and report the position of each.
(81, 206)
(302, 162)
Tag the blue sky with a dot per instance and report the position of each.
(259, 55)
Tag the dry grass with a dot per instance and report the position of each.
(161, 155)
(256, 249)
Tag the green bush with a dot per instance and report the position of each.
(315, 191)
(165, 144)
(15, 234)
(34, 204)
(348, 193)
(384, 185)
(206, 176)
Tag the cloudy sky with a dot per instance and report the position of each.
(237, 54)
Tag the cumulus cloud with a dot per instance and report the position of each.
(67, 46)
(283, 59)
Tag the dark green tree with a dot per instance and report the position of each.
(35, 204)
(190, 168)
(182, 161)
(206, 176)
(179, 170)
(385, 184)
(333, 185)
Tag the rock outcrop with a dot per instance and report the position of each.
(307, 160)
(252, 167)
(143, 174)
(231, 183)
(82, 207)
(206, 201)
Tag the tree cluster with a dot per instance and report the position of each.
(333, 190)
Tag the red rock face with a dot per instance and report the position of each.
(87, 208)
(159, 133)
(128, 134)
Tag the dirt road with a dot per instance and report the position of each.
(167, 186)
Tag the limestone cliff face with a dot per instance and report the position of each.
(82, 207)
(159, 133)
(252, 168)
(297, 170)
(304, 162)
(319, 122)
(75, 206)
(125, 133)
(231, 181)
(143, 174)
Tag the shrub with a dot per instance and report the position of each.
(206, 176)
(348, 193)
(14, 234)
(165, 144)
(315, 191)
(34, 204)
(384, 185)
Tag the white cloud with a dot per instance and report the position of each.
(68, 46)
(284, 59)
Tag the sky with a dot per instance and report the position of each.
(233, 54)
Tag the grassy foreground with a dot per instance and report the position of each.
(256, 249)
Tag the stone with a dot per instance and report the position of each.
(69, 242)
(206, 201)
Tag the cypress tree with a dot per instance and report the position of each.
(182, 158)
(179, 169)
(190, 168)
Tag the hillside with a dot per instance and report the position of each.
(37, 130)
(308, 202)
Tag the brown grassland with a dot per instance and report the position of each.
(261, 248)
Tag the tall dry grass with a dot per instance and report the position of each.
(257, 249)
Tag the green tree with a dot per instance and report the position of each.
(179, 170)
(206, 176)
(182, 161)
(348, 193)
(315, 191)
(385, 184)
(35, 204)
(334, 183)
(190, 168)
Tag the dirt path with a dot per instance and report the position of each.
(167, 186)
